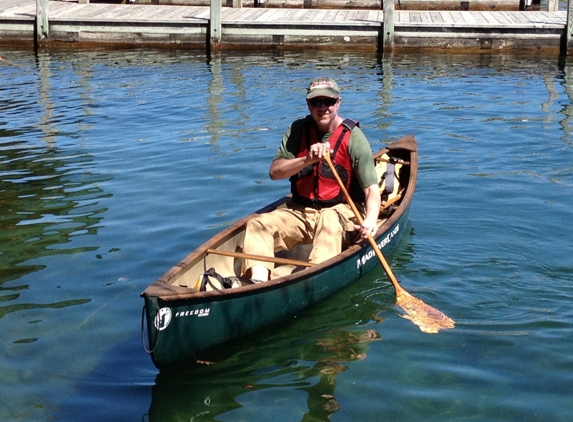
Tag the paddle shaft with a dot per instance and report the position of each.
(391, 276)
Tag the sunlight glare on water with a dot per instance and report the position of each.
(115, 165)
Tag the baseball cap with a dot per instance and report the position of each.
(323, 87)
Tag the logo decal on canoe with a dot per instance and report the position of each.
(197, 312)
(162, 319)
(371, 254)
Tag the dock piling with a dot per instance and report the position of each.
(569, 29)
(388, 25)
(42, 23)
(215, 25)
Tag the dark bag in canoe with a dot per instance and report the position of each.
(211, 280)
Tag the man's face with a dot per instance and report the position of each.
(323, 110)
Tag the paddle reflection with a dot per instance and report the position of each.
(259, 373)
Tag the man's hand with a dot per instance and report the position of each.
(317, 151)
(366, 229)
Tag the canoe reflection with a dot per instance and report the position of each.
(200, 393)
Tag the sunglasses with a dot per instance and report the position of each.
(328, 102)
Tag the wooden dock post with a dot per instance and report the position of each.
(42, 23)
(569, 29)
(388, 25)
(215, 25)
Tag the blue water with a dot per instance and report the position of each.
(114, 165)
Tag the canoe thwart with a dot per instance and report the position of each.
(275, 260)
(392, 160)
(389, 202)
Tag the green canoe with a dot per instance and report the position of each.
(184, 322)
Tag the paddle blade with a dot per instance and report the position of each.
(428, 319)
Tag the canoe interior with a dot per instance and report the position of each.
(231, 267)
(184, 277)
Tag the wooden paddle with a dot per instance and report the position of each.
(429, 319)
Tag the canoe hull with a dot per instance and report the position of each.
(184, 326)
(178, 329)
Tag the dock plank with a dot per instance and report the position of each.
(401, 17)
(479, 18)
(9, 4)
(362, 15)
(458, 18)
(230, 14)
(448, 18)
(60, 9)
(518, 18)
(469, 19)
(201, 13)
(436, 18)
(341, 16)
(112, 12)
(425, 17)
(502, 19)
(330, 14)
(378, 15)
(254, 16)
(551, 17)
(297, 16)
(352, 15)
(489, 18)
(247, 15)
(24, 10)
(171, 14)
(142, 14)
(308, 15)
(320, 16)
(266, 15)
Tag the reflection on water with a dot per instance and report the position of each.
(50, 195)
(114, 165)
(261, 373)
(253, 372)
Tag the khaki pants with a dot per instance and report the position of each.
(284, 228)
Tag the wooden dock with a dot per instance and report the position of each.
(110, 25)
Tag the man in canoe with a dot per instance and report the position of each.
(317, 213)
